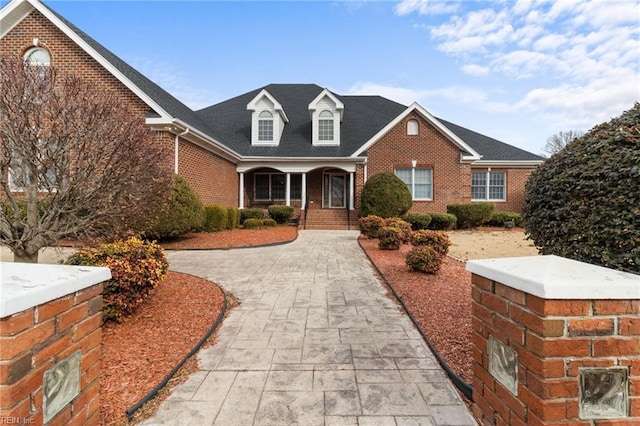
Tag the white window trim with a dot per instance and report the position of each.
(487, 185)
(417, 127)
(413, 181)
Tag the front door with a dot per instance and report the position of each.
(335, 190)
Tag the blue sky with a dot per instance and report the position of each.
(519, 71)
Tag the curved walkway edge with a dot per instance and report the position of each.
(315, 341)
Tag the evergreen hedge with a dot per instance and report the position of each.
(584, 202)
(385, 195)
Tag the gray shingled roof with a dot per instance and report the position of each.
(364, 116)
(229, 122)
(163, 98)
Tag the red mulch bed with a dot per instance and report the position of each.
(233, 239)
(440, 303)
(140, 351)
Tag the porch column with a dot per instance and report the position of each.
(241, 192)
(303, 194)
(287, 191)
(352, 187)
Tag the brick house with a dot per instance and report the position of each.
(295, 144)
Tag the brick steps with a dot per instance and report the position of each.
(330, 219)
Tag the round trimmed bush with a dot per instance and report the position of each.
(437, 240)
(417, 220)
(269, 223)
(233, 217)
(584, 202)
(389, 238)
(385, 195)
(184, 212)
(424, 259)
(471, 215)
(505, 219)
(253, 223)
(403, 227)
(251, 214)
(216, 218)
(370, 225)
(442, 221)
(281, 214)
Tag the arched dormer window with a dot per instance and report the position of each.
(265, 126)
(412, 127)
(325, 126)
(37, 56)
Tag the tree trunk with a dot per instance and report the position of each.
(24, 257)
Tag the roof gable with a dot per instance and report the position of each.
(468, 153)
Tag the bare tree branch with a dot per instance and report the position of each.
(75, 161)
(558, 141)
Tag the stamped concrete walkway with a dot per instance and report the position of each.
(315, 341)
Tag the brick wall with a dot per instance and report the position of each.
(451, 178)
(553, 339)
(33, 340)
(213, 178)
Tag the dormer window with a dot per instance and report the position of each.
(326, 114)
(267, 119)
(265, 126)
(325, 126)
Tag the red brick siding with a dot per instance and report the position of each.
(451, 178)
(34, 340)
(214, 178)
(553, 339)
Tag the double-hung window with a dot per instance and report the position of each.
(273, 186)
(265, 126)
(488, 186)
(419, 180)
(325, 126)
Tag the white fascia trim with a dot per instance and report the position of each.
(326, 92)
(12, 14)
(80, 42)
(526, 164)
(297, 164)
(251, 106)
(196, 137)
(473, 155)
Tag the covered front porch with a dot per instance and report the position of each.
(325, 195)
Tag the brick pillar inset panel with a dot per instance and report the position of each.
(573, 330)
(50, 344)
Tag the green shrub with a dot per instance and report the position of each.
(281, 214)
(505, 219)
(269, 223)
(389, 238)
(216, 218)
(253, 223)
(136, 267)
(251, 214)
(370, 225)
(442, 221)
(424, 259)
(233, 217)
(471, 215)
(584, 202)
(403, 227)
(437, 240)
(417, 220)
(385, 195)
(183, 213)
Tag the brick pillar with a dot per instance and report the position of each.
(560, 317)
(48, 314)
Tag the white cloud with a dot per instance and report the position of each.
(579, 58)
(475, 70)
(425, 7)
(407, 96)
